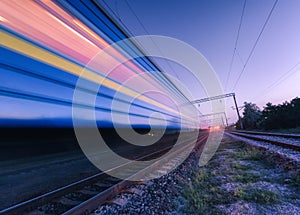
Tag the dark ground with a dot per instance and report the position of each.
(37, 160)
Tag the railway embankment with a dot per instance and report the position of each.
(239, 179)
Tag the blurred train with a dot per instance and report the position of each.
(46, 46)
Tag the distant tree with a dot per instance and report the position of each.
(251, 116)
(269, 116)
(295, 112)
(285, 115)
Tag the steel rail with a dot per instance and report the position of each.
(101, 197)
(295, 136)
(257, 136)
(91, 204)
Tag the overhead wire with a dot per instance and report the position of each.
(235, 44)
(255, 44)
(240, 57)
(278, 81)
(144, 28)
(117, 17)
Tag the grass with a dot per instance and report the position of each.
(203, 193)
(257, 195)
(245, 177)
(249, 153)
(295, 180)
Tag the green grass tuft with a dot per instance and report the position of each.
(245, 177)
(295, 180)
(257, 195)
(249, 154)
(204, 194)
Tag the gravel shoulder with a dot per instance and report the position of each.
(242, 179)
(239, 179)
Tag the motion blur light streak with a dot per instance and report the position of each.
(35, 52)
(64, 36)
(45, 40)
(61, 36)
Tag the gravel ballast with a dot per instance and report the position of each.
(239, 179)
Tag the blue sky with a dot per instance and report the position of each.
(271, 75)
(211, 27)
(47, 46)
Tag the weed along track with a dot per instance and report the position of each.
(241, 179)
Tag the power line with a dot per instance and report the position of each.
(143, 26)
(235, 45)
(255, 44)
(240, 58)
(138, 19)
(180, 95)
(117, 17)
(281, 79)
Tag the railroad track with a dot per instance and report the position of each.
(84, 196)
(289, 141)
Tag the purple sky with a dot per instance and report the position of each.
(211, 27)
(271, 74)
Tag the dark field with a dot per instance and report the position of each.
(24, 142)
(36, 160)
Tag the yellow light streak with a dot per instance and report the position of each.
(47, 57)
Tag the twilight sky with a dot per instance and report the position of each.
(46, 45)
(273, 71)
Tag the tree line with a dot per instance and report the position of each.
(285, 115)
